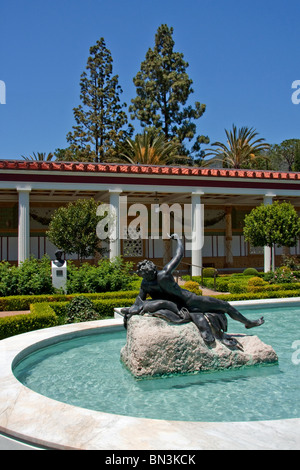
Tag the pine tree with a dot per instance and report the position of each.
(100, 119)
(163, 88)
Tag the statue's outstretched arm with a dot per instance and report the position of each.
(172, 265)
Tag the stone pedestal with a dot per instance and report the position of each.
(155, 347)
(59, 275)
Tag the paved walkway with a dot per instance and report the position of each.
(9, 314)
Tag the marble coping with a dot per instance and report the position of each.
(33, 418)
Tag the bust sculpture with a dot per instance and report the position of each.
(58, 258)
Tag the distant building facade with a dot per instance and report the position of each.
(31, 191)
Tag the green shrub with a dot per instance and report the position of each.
(193, 286)
(105, 276)
(222, 284)
(259, 295)
(237, 287)
(250, 272)
(8, 279)
(256, 281)
(103, 307)
(280, 276)
(41, 316)
(80, 309)
(274, 287)
(31, 277)
(209, 272)
(19, 302)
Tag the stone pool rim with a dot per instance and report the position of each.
(40, 421)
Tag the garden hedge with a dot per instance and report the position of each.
(23, 302)
(104, 307)
(48, 314)
(40, 316)
(50, 310)
(258, 295)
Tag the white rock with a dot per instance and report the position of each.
(156, 347)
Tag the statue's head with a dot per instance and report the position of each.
(58, 255)
(147, 270)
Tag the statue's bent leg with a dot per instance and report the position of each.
(203, 326)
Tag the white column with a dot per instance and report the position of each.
(23, 225)
(268, 199)
(197, 233)
(228, 237)
(115, 244)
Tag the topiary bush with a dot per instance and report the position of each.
(192, 286)
(209, 272)
(255, 282)
(250, 272)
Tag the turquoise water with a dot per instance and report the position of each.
(87, 372)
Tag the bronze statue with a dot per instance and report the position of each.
(171, 302)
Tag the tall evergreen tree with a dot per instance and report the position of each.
(101, 118)
(284, 156)
(163, 88)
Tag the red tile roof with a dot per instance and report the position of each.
(114, 168)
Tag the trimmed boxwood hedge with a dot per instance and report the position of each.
(259, 295)
(104, 307)
(40, 316)
(45, 314)
(48, 314)
(23, 302)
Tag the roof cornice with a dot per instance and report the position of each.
(133, 169)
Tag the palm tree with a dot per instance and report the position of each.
(243, 150)
(39, 156)
(151, 148)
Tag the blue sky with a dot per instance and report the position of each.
(243, 58)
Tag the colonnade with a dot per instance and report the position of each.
(197, 219)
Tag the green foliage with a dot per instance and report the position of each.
(151, 148)
(163, 88)
(32, 277)
(192, 286)
(104, 307)
(280, 276)
(237, 286)
(209, 272)
(286, 155)
(255, 282)
(39, 156)
(73, 228)
(250, 272)
(273, 294)
(105, 276)
(243, 149)
(292, 262)
(276, 223)
(41, 316)
(23, 302)
(80, 309)
(101, 118)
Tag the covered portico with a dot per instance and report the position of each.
(218, 200)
